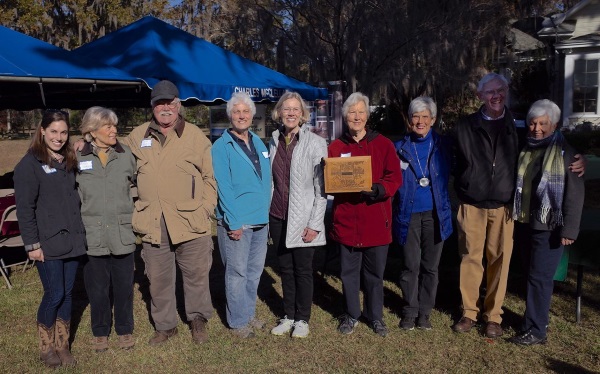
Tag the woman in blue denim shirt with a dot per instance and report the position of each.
(422, 220)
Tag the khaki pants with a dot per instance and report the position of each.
(482, 232)
(194, 258)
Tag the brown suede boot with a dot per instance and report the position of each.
(47, 353)
(61, 341)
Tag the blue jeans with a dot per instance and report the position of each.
(244, 262)
(57, 277)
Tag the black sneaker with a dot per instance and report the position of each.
(407, 323)
(347, 324)
(423, 322)
(527, 338)
(379, 328)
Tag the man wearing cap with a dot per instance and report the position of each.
(176, 197)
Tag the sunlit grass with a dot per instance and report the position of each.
(571, 347)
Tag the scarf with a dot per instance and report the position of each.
(102, 153)
(552, 184)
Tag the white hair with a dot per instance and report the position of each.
(354, 99)
(240, 98)
(542, 108)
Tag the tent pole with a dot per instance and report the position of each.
(42, 92)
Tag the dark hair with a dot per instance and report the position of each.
(39, 148)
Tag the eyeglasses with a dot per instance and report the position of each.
(500, 91)
(292, 110)
(171, 104)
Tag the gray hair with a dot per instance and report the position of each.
(544, 107)
(94, 118)
(490, 77)
(240, 98)
(422, 103)
(276, 115)
(354, 99)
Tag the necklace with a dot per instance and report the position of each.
(423, 182)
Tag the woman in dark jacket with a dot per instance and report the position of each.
(362, 221)
(106, 169)
(423, 218)
(547, 212)
(52, 230)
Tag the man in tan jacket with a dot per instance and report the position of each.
(177, 195)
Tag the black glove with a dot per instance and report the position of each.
(377, 192)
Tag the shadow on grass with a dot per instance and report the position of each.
(558, 366)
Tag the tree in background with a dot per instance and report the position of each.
(392, 50)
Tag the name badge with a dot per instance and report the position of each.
(85, 165)
(346, 155)
(403, 165)
(146, 143)
(48, 169)
(266, 154)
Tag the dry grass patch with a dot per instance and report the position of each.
(571, 347)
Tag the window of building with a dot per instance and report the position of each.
(585, 86)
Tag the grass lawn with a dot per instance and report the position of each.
(571, 347)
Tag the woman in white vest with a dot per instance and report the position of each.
(297, 209)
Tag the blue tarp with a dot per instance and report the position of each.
(36, 74)
(24, 56)
(154, 50)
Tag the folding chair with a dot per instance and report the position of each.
(6, 192)
(9, 217)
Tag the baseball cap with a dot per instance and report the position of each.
(164, 90)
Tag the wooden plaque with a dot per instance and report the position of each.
(348, 174)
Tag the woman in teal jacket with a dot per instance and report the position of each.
(243, 173)
(106, 170)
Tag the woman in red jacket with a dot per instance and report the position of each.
(362, 221)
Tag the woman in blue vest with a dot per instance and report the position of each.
(422, 220)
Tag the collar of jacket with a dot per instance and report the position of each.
(53, 162)
(508, 118)
(369, 136)
(301, 130)
(229, 138)
(281, 131)
(88, 148)
(155, 127)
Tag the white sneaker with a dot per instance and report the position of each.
(300, 329)
(285, 326)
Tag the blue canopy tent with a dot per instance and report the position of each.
(154, 50)
(35, 74)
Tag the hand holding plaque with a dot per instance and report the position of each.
(377, 192)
